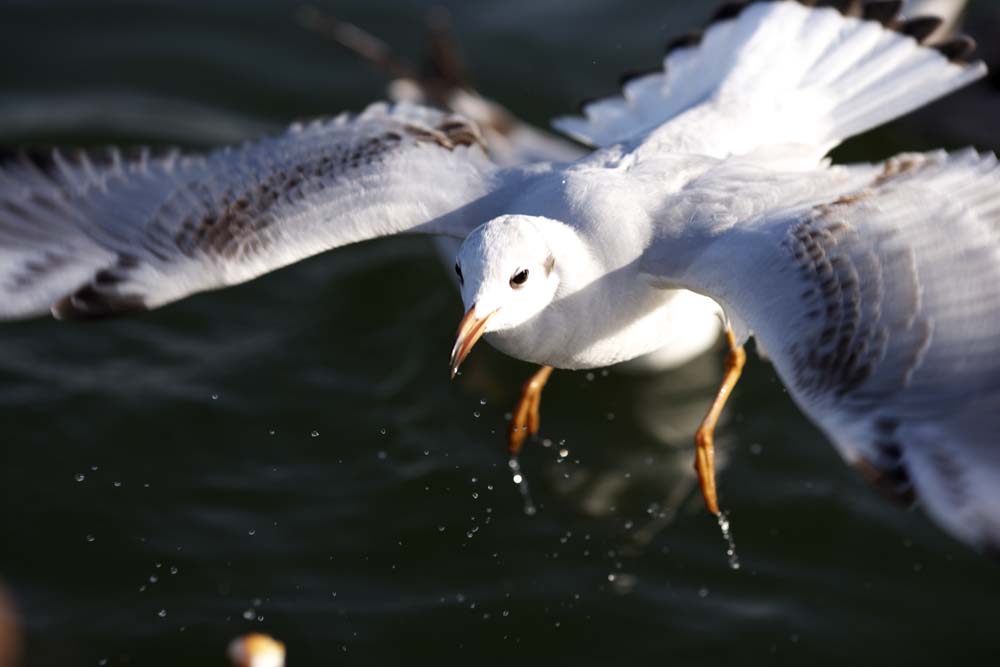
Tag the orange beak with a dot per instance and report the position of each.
(470, 329)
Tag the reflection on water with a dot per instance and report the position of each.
(395, 531)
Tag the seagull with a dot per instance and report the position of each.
(870, 287)
(510, 141)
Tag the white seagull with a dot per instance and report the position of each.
(509, 141)
(873, 288)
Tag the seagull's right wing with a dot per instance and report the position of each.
(780, 81)
(877, 297)
(86, 239)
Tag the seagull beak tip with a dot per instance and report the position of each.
(470, 330)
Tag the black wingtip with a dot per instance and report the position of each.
(921, 27)
(89, 303)
(882, 11)
(632, 75)
(684, 42)
(730, 10)
(958, 49)
(846, 7)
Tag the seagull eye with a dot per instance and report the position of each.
(461, 278)
(519, 278)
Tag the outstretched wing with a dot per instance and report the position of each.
(879, 305)
(88, 238)
(780, 81)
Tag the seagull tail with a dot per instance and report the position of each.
(780, 73)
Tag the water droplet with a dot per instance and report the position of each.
(315, 434)
(271, 432)
(756, 448)
(440, 529)
(118, 485)
(79, 477)
(91, 538)
(703, 592)
(475, 495)
(174, 570)
(249, 614)
(476, 414)
(153, 579)
(482, 401)
(563, 453)
(611, 416)
(215, 397)
(381, 431)
(522, 486)
(162, 613)
(611, 577)
(251, 532)
(382, 455)
(590, 377)
(727, 534)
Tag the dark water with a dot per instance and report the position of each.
(290, 457)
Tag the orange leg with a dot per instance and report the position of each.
(525, 419)
(705, 438)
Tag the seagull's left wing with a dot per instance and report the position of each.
(879, 304)
(88, 238)
(781, 82)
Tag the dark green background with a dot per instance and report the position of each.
(354, 545)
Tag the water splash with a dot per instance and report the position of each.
(727, 535)
(522, 486)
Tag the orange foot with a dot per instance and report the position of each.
(526, 419)
(704, 462)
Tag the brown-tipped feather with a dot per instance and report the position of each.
(921, 27)
(882, 11)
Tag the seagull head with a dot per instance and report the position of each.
(507, 272)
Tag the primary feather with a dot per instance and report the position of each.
(91, 238)
(777, 78)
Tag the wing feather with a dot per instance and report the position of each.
(89, 238)
(777, 74)
(879, 304)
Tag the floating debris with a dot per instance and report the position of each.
(256, 650)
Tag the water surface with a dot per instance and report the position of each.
(289, 456)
